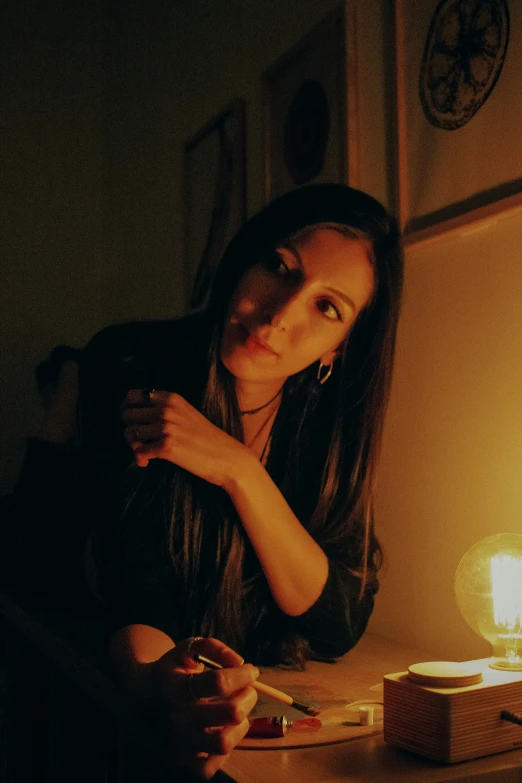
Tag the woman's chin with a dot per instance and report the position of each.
(248, 370)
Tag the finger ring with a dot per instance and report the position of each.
(190, 644)
(148, 393)
(190, 686)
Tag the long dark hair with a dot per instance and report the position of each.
(325, 443)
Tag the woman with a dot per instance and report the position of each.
(247, 513)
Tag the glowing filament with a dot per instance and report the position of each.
(506, 583)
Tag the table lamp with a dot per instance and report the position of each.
(453, 712)
(488, 589)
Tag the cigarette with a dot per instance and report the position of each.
(268, 690)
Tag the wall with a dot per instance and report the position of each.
(453, 449)
(54, 264)
(97, 100)
(97, 104)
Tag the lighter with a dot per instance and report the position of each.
(278, 725)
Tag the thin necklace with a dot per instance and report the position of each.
(266, 446)
(256, 410)
(260, 430)
(269, 420)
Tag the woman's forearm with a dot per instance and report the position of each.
(295, 566)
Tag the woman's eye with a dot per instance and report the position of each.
(275, 264)
(329, 310)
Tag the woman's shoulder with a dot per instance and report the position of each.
(144, 354)
(117, 339)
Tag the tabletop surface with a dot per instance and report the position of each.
(343, 752)
(345, 755)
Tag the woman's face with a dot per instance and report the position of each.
(296, 306)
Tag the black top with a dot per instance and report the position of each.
(139, 580)
(43, 532)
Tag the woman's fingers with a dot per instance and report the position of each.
(225, 712)
(214, 649)
(136, 397)
(139, 415)
(180, 679)
(154, 398)
(222, 683)
(156, 410)
(220, 740)
(144, 433)
(147, 418)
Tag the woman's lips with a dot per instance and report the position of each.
(257, 345)
(254, 346)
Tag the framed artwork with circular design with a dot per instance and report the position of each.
(310, 108)
(459, 109)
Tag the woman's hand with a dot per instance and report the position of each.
(205, 711)
(163, 425)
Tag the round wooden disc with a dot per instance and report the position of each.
(444, 674)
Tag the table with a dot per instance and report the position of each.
(364, 760)
(358, 675)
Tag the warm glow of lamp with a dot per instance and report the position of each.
(488, 589)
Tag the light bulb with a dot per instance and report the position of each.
(488, 589)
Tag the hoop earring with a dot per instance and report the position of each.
(328, 373)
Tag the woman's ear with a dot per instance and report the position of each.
(329, 357)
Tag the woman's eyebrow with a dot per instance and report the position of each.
(293, 250)
(342, 296)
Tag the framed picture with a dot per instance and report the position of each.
(310, 110)
(459, 103)
(214, 196)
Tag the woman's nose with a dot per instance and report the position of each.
(284, 312)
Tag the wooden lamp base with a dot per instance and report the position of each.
(455, 722)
